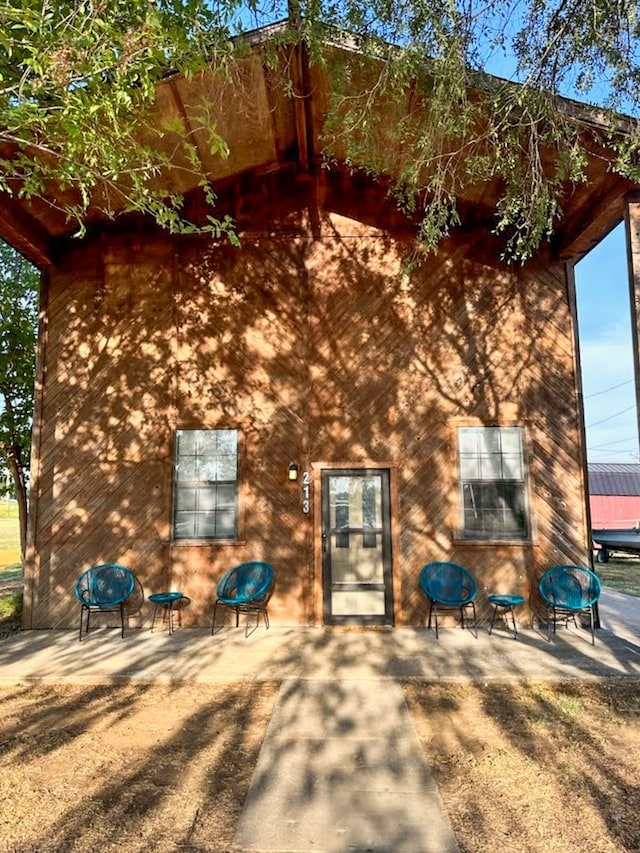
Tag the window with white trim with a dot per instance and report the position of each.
(205, 498)
(492, 483)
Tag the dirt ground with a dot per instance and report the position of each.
(543, 767)
(127, 768)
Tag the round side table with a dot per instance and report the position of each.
(165, 600)
(506, 603)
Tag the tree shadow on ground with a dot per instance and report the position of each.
(128, 767)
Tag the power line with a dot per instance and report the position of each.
(611, 443)
(617, 414)
(606, 455)
(611, 388)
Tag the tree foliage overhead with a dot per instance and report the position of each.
(78, 81)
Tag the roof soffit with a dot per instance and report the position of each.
(264, 128)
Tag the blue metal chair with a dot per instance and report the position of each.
(449, 586)
(104, 588)
(247, 589)
(567, 590)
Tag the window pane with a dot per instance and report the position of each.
(185, 499)
(226, 524)
(207, 443)
(512, 467)
(511, 440)
(186, 468)
(491, 467)
(206, 527)
(185, 525)
(206, 498)
(489, 440)
(186, 442)
(227, 441)
(468, 440)
(370, 501)
(226, 497)
(469, 468)
(227, 468)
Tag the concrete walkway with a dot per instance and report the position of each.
(341, 768)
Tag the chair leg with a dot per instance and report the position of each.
(435, 616)
(81, 617)
(515, 630)
(472, 605)
(551, 622)
(122, 619)
(591, 620)
(493, 618)
(213, 621)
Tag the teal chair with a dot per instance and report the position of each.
(449, 586)
(104, 588)
(567, 591)
(246, 589)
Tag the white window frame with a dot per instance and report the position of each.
(205, 485)
(492, 480)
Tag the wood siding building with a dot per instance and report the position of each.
(431, 415)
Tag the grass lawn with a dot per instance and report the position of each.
(10, 565)
(621, 573)
(8, 509)
(9, 542)
(10, 571)
(10, 613)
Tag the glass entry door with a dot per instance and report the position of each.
(356, 547)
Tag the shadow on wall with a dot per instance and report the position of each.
(316, 350)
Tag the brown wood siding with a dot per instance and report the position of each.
(101, 489)
(322, 351)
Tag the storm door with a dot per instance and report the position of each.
(356, 547)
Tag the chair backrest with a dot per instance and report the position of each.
(448, 583)
(570, 587)
(246, 582)
(105, 585)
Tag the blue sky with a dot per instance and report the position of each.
(604, 325)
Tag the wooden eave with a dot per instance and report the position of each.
(273, 142)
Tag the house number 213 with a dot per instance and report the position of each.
(306, 492)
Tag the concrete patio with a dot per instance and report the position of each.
(319, 653)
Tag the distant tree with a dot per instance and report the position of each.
(19, 281)
(77, 80)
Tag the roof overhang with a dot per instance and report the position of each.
(274, 143)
